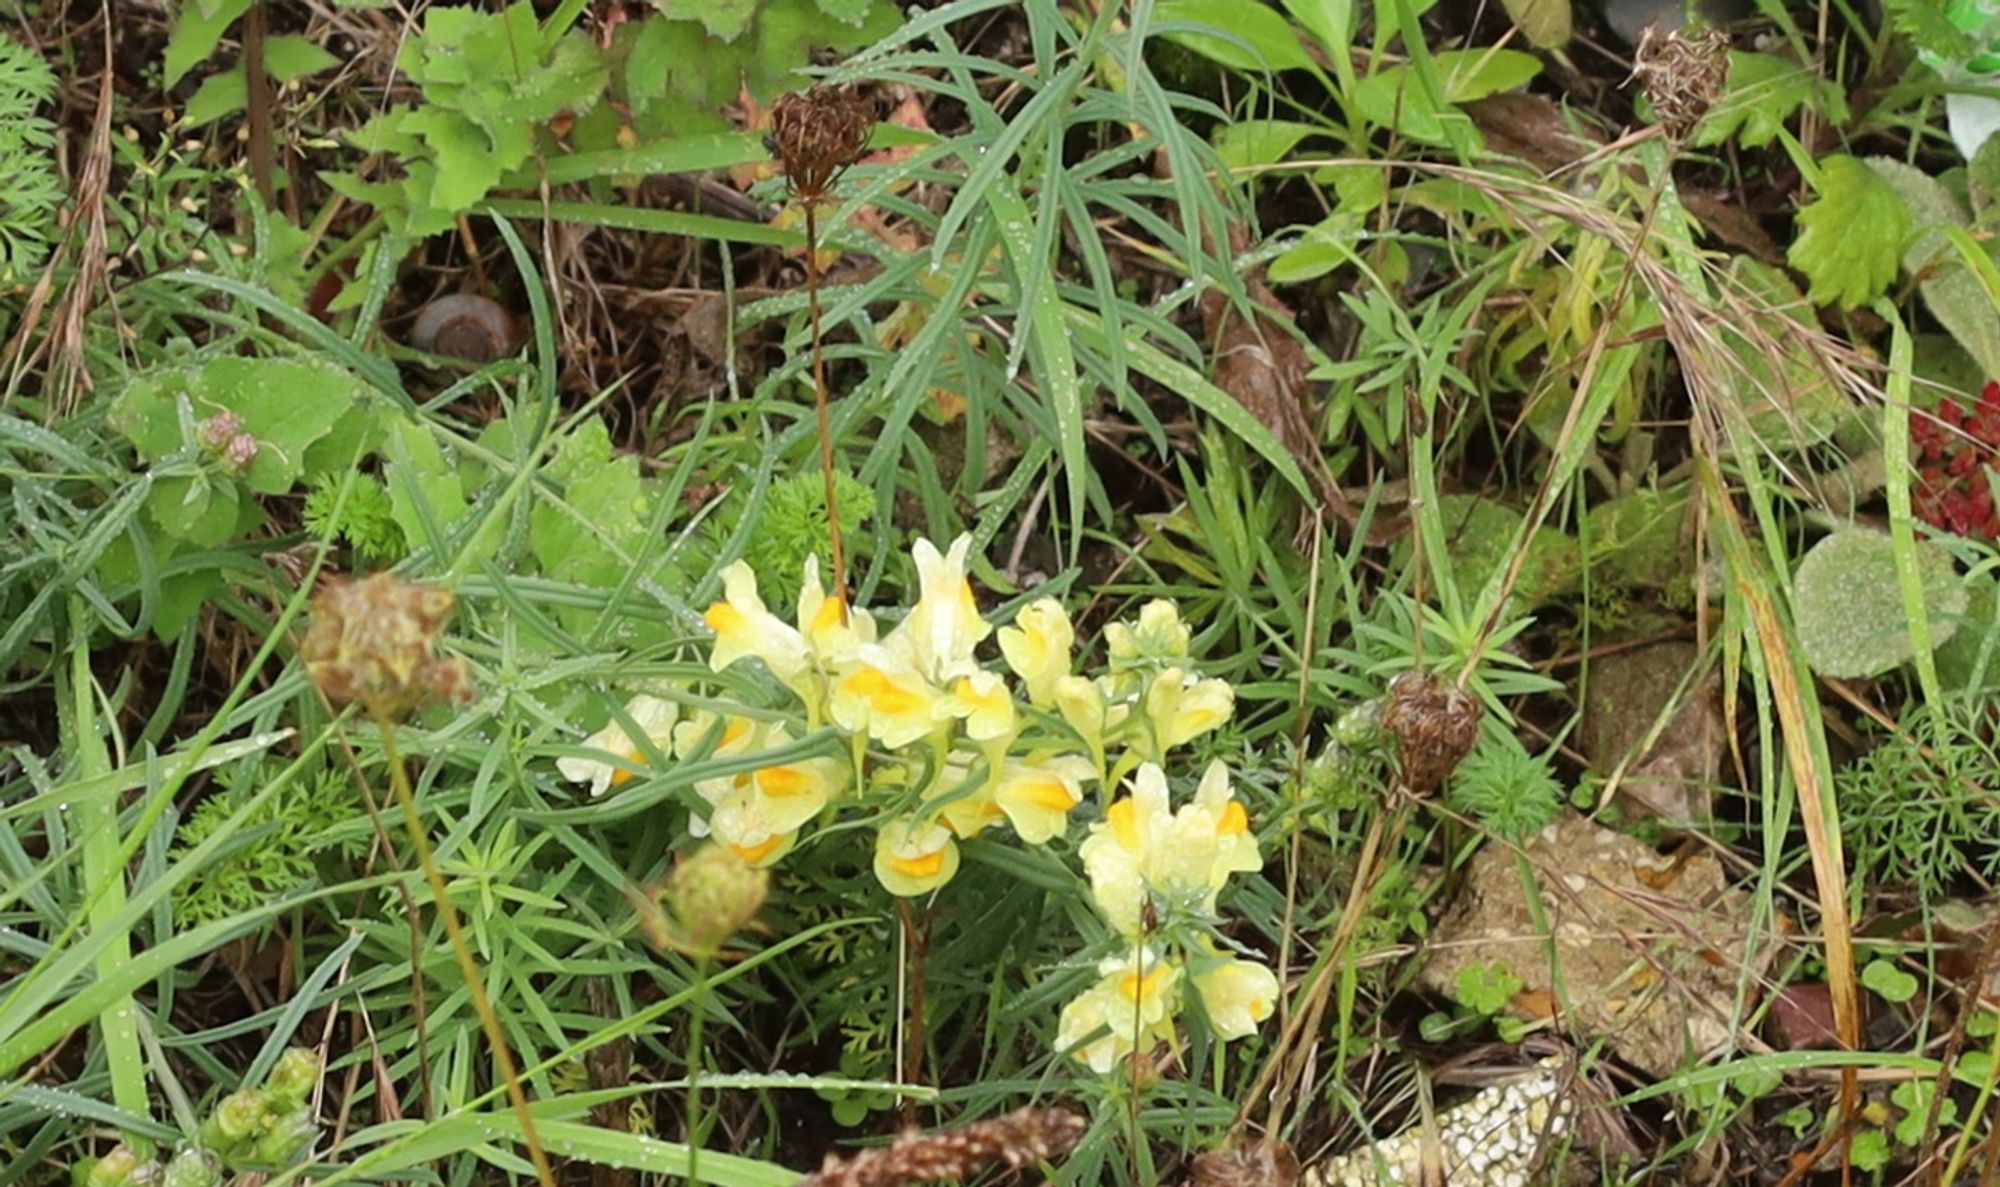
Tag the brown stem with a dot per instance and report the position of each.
(820, 403)
(257, 100)
(467, 966)
(913, 1034)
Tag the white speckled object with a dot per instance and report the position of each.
(1493, 1140)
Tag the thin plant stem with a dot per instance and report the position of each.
(820, 399)
(699, 1010)
(490, 1021)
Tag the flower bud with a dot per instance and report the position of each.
(238, 1120)
(120, 1168)
(713, 895)
(294, 1079)
(193, 1167)
(286, 1136)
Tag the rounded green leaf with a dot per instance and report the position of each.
(1849, 607)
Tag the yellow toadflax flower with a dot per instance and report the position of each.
(882, 695)
(739, 735)
(832, 631)
(913, 858)
(1159, 635)
(655, 720)
(966, 808)
(982, 699)
(1182, 706)
(746, 826)
(1142, 851)
(944, 626)
(1131, 1007)
(1236, 995)
(1037, 648)
(743, 627)
(1038, 794)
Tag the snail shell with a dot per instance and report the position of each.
(466, 326)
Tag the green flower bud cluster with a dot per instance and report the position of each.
(255, 1127)
(267, 1126)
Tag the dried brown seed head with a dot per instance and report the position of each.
(1024, 1137)
(1434, 726)
(1256, 1162)
(374, 643)
(817, 134)
(1683, 74)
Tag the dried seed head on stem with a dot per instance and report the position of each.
(815, 136)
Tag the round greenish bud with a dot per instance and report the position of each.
(1360, 728)
(81, 1170)
(193, 1167)
(294, 1079)
(713, 895)
(237, 1120)
(120, 1168)
(287, 1136)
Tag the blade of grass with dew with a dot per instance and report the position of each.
(1896, 412)
(27, 1017)
(1056, 357)
(117, 1023)
(399, 1137)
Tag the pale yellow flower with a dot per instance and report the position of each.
(944, 626)
(738, 735)
(742, 823)
(655, 720)
(1181, 707)
(832, 631)
(880, 694)
(966, 809)
(913, 858)
(1037, 648)
(1159, 635)
(743, 627)
(1132, 1006)
(1142, 851)
(1216, 816)
(982, 699)
(793, 793)
(1236, 995)
(1037, 795)
(1082, 705)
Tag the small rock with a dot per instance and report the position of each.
(1649, 960)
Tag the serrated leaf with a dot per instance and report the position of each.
(286, 404)
(1545, 23)
(1764, 92)
(1924, 22)
(1848, 606)
(1249, 36)
(1853, 235)
(466, 168)
(725, 20)
(571, 79)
